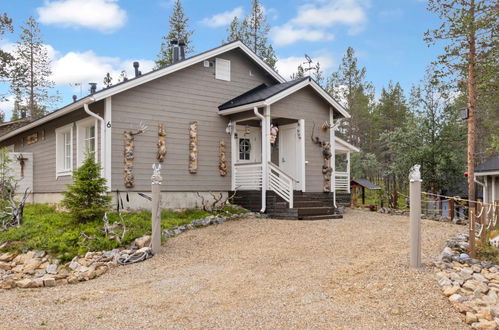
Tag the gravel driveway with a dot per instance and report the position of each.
(258, 273)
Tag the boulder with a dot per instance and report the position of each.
(143, 241)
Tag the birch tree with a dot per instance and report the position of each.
(178, 29)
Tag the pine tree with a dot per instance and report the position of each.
(19, 110)
(86, 198)
(253, 31)
(469, 31)
(179, 30)
(348, 85)
(108, 80)
(300, 73)
(30, 75)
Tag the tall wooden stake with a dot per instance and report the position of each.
(471, 98)
(415, 217)
(156, 180)
(471, 240)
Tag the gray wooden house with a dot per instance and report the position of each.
(229, 122)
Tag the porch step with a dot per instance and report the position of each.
(322, 217)
(307, 211)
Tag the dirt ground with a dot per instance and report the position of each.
(259, 273)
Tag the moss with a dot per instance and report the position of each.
(488, 253)
(44, 228)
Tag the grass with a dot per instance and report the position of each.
(44, 228)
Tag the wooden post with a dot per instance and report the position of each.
(156, 208)
(471, 240)
(415, 217)
(483, 225)
(363, 195)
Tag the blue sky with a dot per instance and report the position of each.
(87, 38)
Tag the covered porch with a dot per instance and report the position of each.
(282, 149)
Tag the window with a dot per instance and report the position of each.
(86, 139)
(64, 150)
(222, 69)
(244, 149)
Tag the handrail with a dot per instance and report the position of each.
(278, 170)
(247, 164)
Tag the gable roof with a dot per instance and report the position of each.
(259, 93)
(491, 165)
(366, 184)
(262, 96)
(144, 78)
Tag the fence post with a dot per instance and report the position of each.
(472, 234)
(156, 180)
(415, 217)
(483, 225)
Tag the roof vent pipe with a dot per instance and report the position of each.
(175, 50)
(181, 46)
(93, 87)
(136, 67)
(74, 98)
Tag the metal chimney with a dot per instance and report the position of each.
(181, 46)
(93, 88)
(136, 67)
(75, 98)
(176, 50)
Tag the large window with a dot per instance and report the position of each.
(64, 150)
(86, 139)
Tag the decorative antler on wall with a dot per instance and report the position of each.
(193, 147)
(327, 170)
(161, 143)
(222, 165)
(128, 154)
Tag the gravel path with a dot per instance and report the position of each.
(257, 273)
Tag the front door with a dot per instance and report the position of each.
(249, 144)
(289, 152)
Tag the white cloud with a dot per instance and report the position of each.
(391, 14)
(289, 65)
(102, 15)
(288, 34)
(224, 18)
(6, 106)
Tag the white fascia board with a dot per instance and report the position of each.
(184, 64)
(346, 145)
(331, 101)
(59, 113)
(486, 173)
(242, 108)
(273, 99)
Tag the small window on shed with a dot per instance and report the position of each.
(222, 69)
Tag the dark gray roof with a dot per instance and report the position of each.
(490, 165)
(259, 93)
(366, 184)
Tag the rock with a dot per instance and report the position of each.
(444, 282)
(72, 279)
(476, 268)
(31, 264)
(23, 258)
(470, 318)
(52, 269)
(456, 298)
(466, 273)
(143, 241)
(474, 285)
(5, 265)
(7, 284)
(18, 268)
(8, 256)
(484, 325)
(40, 254)
(101, 270)
(61, 281)
(74, 265)
(465, 308)
(480, 278)
(451, 290)
(26, 283)
(49, 281)
(37, 283)
(485, 314)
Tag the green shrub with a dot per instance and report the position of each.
(86, 198)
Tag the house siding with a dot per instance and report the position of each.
(191, 94)
(307, 104)
(44, 151)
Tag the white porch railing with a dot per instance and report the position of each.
(281, 183)
(342, 181)
(248, 176)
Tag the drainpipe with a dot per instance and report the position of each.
(102, 132)
(264, 160)
(484, 187)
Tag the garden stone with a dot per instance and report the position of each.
(74, 265)
(480, 277)
(37, 283)
(52, 269)
(470, 318)
(444, 282)
(476, 268)
(451, 290)
(484, 325)
(143, 241)
(7, 284)
(40, 254)
(49, 281)
(26, 283)
(456, 298)
(8, 256)
(5, 265)
(32, 265)
(466, 273)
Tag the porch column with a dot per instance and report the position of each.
(333, 155)
(301, 123)
(348, 170)
(493, 190)
(233, 154)
(264, 157)
(267, 134)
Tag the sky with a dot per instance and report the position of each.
(88, 38)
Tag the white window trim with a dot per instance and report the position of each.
(81, 125)
(58, 132)
(221, 75)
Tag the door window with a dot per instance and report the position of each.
(244, 149)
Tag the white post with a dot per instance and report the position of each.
(332, 141)
(264, 159)
(415, 217)
(348, 171)
(493, 190)
(107, 140)
(267, 134)
(303, 183)
(234, 145)
(156, 180)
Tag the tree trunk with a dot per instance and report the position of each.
(471, 86)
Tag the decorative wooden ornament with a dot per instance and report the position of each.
(161, 143)
(327, 170)
(128, 155)
(222, 165)
(193, 147)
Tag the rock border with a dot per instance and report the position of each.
(36, 269)
(472, 286)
